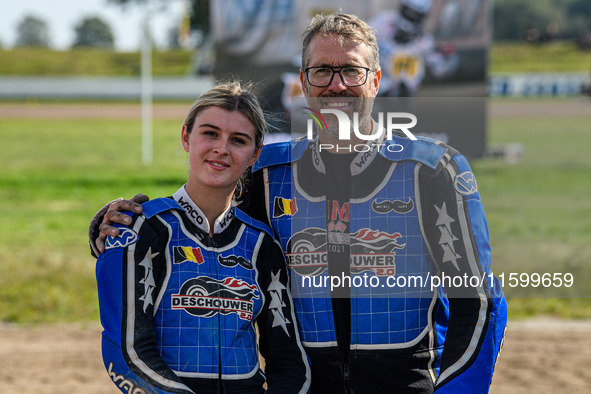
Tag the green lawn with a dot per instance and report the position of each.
(553, 57)
(90, 62)
(504, 57)
(538, 211)
(56, 173)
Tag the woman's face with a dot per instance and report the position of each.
(221, 146)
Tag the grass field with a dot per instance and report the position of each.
(554, 57)
(538, 210)
(90, 62)
(56, 173)
(504, 57)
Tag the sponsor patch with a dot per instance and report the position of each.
(365, 159)
(223, 222)
(127, 386)
(375, 241)
(183, 254)
(206, 297)
(232, 261)
(284, 207)
(371, 250)
(306, 252)
(465, 183)
(374, 250)
(338, 212)
(338, 225)
(126, 237)
(397, 206)
(192, 212)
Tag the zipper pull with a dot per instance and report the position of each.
(346, 379)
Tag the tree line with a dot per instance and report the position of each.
(33, 31)
(541, 20)
(90, 32)
(532, 21)
(512, 19)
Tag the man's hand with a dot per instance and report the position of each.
(115, 215)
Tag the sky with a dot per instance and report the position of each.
(62, 16)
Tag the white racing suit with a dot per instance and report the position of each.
(404, 64)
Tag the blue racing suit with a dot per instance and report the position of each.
(402, 227)
(179, 307)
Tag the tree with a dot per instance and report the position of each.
(172, 37)
(579, 12)
(580, 7)
(93, 32)
(200, 16)
(199, 13)
(125, 2)
(563, 17)
(32, 32)
(513, 17)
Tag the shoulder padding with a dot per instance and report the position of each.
(257, 224)
(423, 150)
(280, 153)
(159, 205)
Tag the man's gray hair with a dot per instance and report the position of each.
(345, 27)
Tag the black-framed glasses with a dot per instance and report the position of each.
(351, 76)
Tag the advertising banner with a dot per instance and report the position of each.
(428, 48)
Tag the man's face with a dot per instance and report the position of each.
(329, 51)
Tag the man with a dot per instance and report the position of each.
(407, 51)
(400, 209)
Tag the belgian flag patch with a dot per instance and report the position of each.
(187, 253)
(284, 206)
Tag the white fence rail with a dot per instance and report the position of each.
(533, 84)
(539, 84)
(101, 88)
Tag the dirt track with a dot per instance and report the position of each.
(539, 356)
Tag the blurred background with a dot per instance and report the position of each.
(92, 98)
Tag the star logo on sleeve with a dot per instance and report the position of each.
(446, 241)
(276, 305)
(148, 280)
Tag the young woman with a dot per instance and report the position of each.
(182, 286)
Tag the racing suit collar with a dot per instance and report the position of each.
(198, 217)
(365, 153)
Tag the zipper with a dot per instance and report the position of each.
(220, 380)
(344, 361)
(346, 377)
(212, 244)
